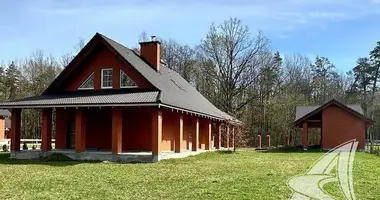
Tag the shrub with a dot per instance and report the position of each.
(56, 157)
(225, 151)
(5, 148)
(25, 146)
(376, 151)
(34, 147)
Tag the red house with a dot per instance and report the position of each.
(113, 103)
(338, 123)
(4, 115)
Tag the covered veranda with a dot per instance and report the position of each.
(133, 132)
(336, 123)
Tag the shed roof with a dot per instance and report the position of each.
(304, 112)
(5, 113)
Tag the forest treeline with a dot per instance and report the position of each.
(238, 71)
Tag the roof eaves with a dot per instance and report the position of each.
(79, 105)
(332, 101)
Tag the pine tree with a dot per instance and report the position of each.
(323, 72)
(12, 81)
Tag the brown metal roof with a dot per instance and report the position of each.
(85, 98)
(304, 112)
(174, 90)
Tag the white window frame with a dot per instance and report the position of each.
(108, 87)
(121, 71)
(91, 88)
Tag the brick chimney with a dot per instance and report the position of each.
(151, 52)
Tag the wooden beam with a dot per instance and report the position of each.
(80, 130)
(156, 133)
(15, 129)
(46, 129)
(179, 134)
(208, 135)
(117, 129)
(195, 132)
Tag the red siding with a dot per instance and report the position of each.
(339, 126)
(2, 128)
(186, 132)
(203, 131)
(103, 58)
(99, 128)
(168, 130)
(137, 129)
(61, 128)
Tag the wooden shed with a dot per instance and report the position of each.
(337, 122)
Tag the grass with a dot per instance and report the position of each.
(246, 174)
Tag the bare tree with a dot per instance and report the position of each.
(180, 58)
(80, 45)
(236, 57)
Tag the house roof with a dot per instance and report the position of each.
(304, 112)
(173, 90)
(5, 113)
(86, 98)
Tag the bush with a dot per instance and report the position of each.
(56, 157)
(225, 151)
(34, 147)
(5, 148)
(25, 146)
(376, 151)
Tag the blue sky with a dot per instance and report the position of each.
(341, 30)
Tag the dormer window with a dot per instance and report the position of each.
(125, 81)
(106, 78)
(88, 84)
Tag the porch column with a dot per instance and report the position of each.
(268, 141)
(60, 128)
(156, 134)
(80, 131)
(218, 138)
(258, 142)
(286, 140)
(305, 136)
(179, 135)
(117, 129)
(15, 129)
(208, 136)
(46, 129)
(227, 136)
(195, 132)
(233, 137)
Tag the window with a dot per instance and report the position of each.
(125, 81)
(88, 83)
(106, 78)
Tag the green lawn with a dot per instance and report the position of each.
(243, 175)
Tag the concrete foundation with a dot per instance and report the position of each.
(127, 157)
